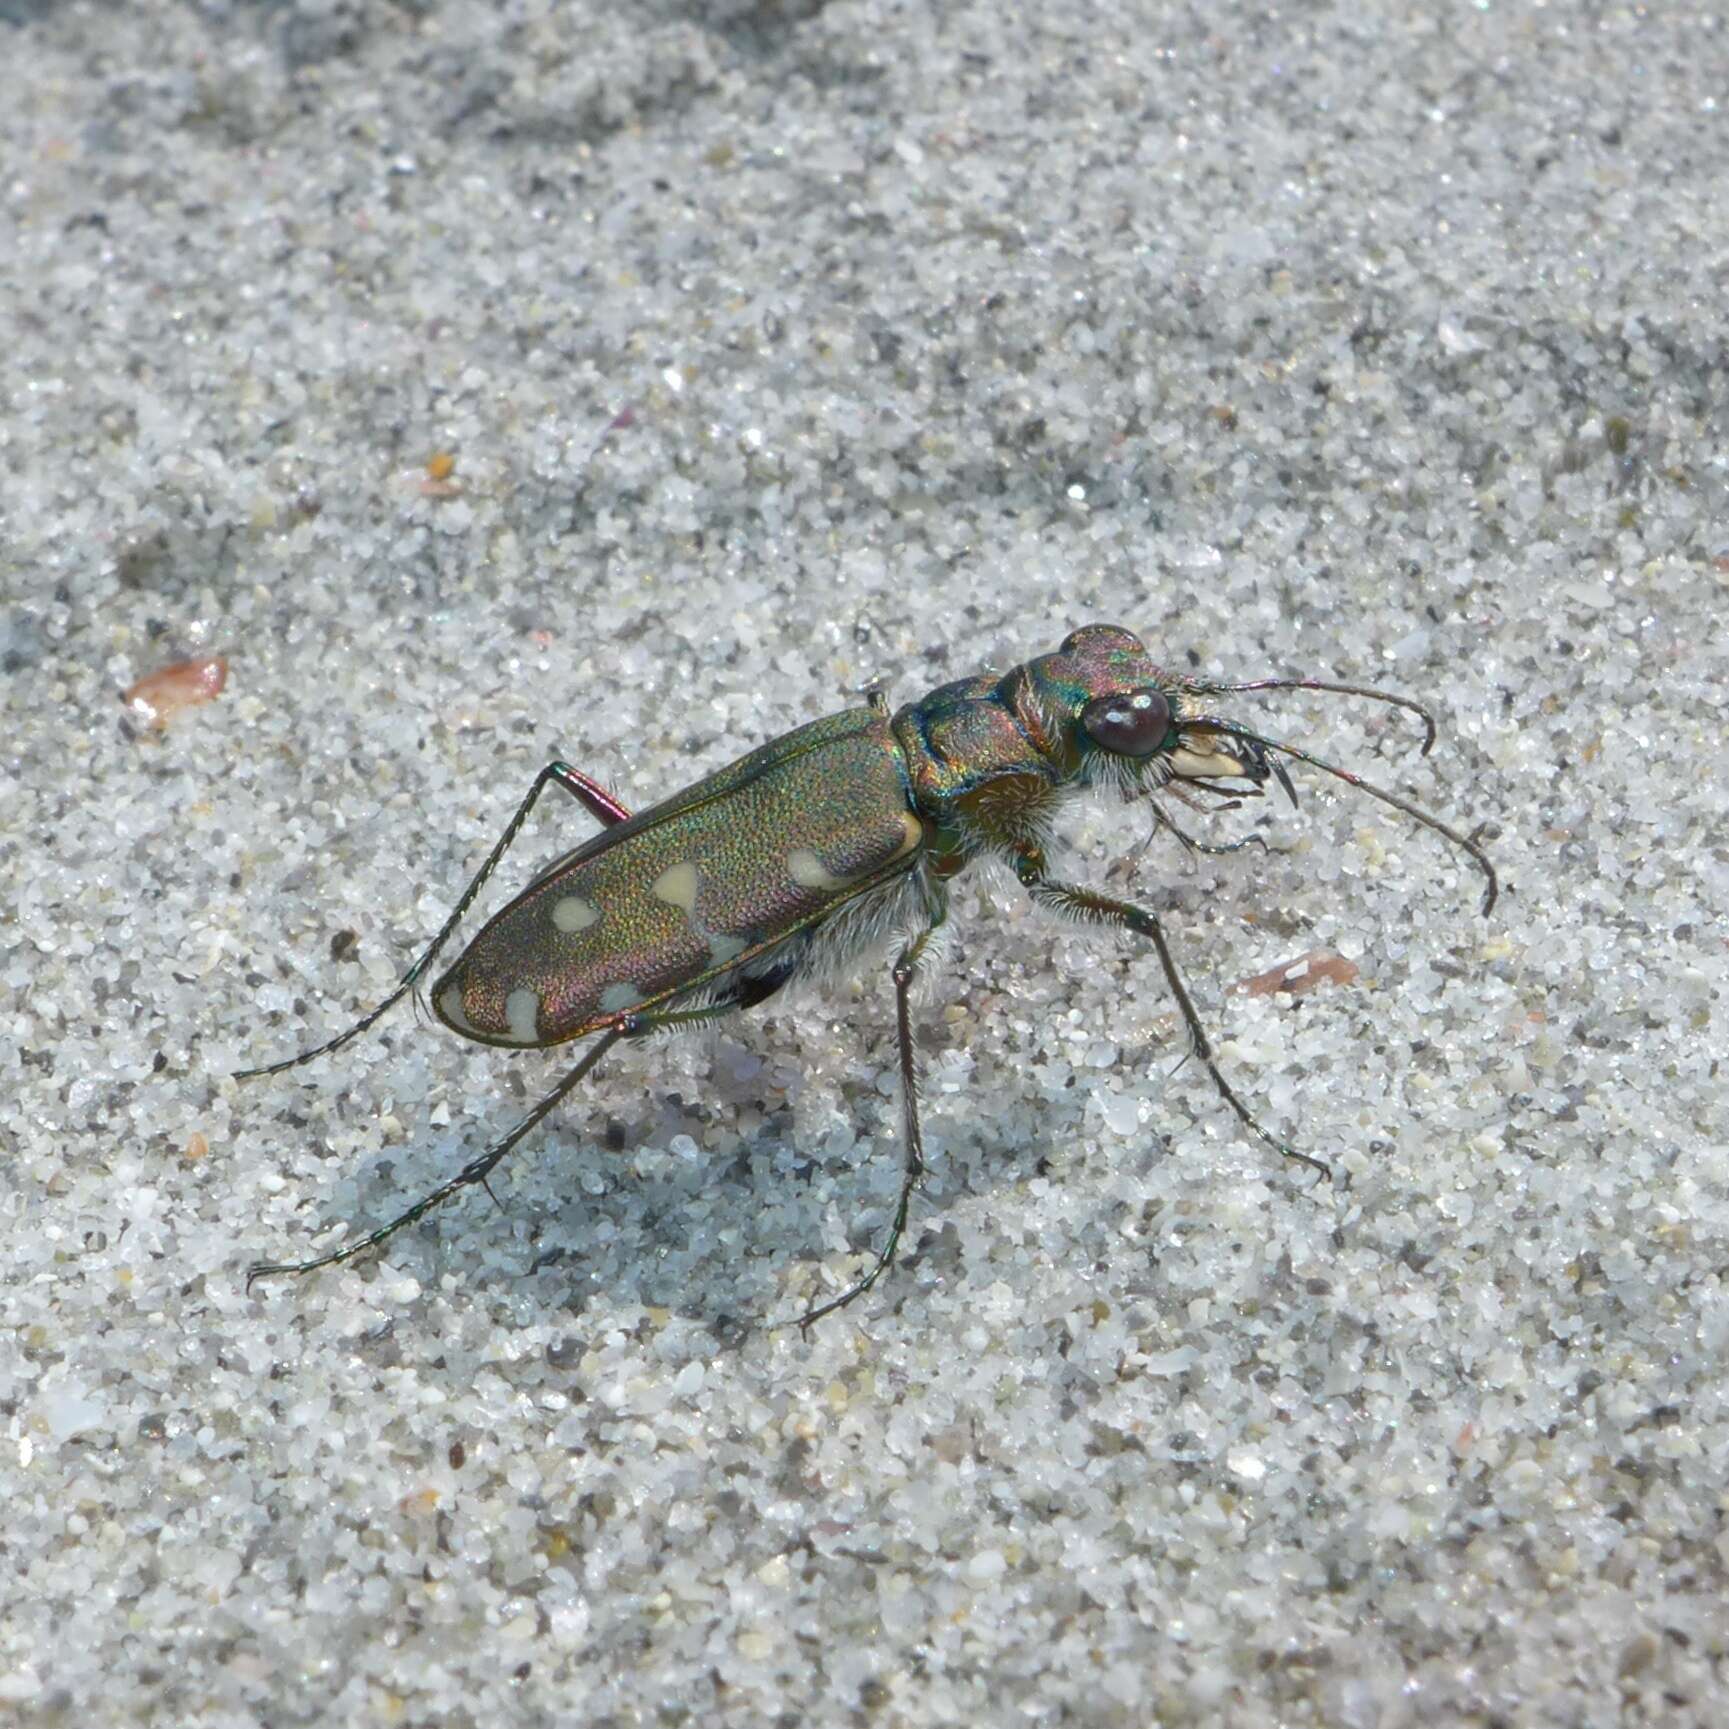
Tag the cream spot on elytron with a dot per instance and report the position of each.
(522, 1015)
(913, 831)
(573, 913)
(677, 887)
(450, 1006)
(617, 997)
(809, 872)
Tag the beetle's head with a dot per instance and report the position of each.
(1110, 717)
(1122, 721)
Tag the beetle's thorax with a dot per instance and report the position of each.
(1024, 720)
(991, 758)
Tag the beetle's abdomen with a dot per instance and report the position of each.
(681, 894)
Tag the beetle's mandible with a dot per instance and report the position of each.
(811, 850)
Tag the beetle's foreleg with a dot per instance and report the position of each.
(906, 974)
(590, 794)
(1095, 908)
(477, 1170)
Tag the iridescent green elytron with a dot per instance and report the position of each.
(817, 847)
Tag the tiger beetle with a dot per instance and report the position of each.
(809, 852)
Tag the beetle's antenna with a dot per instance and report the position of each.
(1385, 696)
(1230, 729)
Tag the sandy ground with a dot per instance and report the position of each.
(490, 383)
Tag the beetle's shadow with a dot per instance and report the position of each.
(736, 1237)
(741, 1237)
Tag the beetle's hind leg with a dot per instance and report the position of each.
(906, 973)
(590, 794)
(476, 1171)
(479, 1168)
(1092, 907)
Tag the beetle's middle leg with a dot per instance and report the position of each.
(1089, 905)
(590, 794)
(906, 973)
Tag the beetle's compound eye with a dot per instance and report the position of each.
(1132, 723)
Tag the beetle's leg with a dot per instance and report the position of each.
(590, 794)
(1095, 908)
(906, 974)
(477, 1170)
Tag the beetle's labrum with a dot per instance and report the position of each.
(802, 855)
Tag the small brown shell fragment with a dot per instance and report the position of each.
(1295, 978)
(440, 481)
(158, 696)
